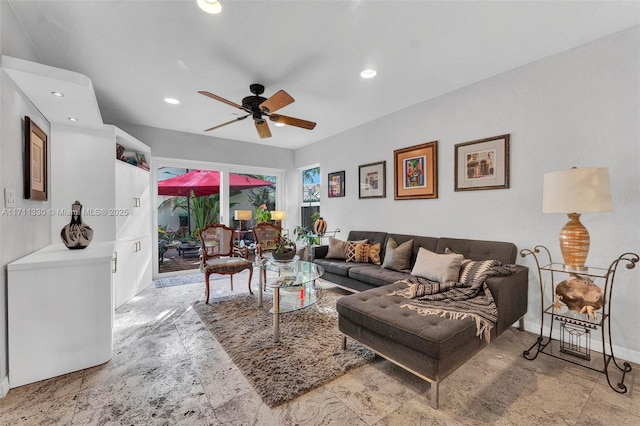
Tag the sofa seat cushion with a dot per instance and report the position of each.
(336, 266)
(432, 335)
(375, 274)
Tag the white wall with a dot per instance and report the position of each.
(78, 160)
(578, 108)
(20, 234)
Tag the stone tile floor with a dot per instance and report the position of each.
(167, 369)
(173, 262)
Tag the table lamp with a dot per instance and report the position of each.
(242, 215)
(576, 191)
(278, 216)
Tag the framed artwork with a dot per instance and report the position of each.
(336, 184)
(416, 171)
(482, 164)
(35, 173)
(373, 180)
(140, 158)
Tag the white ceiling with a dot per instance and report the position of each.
(138, 52)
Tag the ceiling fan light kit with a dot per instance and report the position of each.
(210, 6)
(368, 73)
(259, 107)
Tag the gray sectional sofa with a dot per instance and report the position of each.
(430, 346)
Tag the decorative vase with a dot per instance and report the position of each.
(76, 235)
(320, 226)
(287, 255)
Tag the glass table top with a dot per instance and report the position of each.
(293, 283)
(291, 273)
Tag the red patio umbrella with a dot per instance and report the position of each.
(206, 182)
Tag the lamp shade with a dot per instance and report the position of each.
(585, 190)
(278, 215)
(243, 215)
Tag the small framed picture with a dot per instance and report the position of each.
(35, 149)
(416, 171)
(482, 164)
(140, 157)
(373, 180)
(335, 183)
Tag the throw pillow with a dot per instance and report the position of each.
(470, 270)
(398, 257)
(442, 268)
(338, 248)
(363, 253)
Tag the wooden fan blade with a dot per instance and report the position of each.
(292, 121)
(277, 101)
(263, 129)
(228, 122)
(223, 100)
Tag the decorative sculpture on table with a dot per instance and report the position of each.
(76, 235)
(580, 295)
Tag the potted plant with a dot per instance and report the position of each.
(262, 214)
(284, 249)
(194, 238)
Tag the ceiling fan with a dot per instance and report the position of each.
(259, 107)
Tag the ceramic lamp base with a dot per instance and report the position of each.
(574, 243)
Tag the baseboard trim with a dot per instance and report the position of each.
(4, 387)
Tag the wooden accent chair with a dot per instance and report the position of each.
(265, 235)
(219, 255)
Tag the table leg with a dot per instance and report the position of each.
(260, 284)
(276, 314)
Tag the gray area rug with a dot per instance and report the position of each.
(308, 355)
(184, 279)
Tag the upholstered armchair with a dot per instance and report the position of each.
(219, 254)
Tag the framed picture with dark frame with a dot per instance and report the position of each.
(482, 164)
(416, 171)
(335, 184)
(35, 161)
(372, 180)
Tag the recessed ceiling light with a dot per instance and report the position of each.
(370, 73)
(172, 101)
(210, 6)
(280, 124)
(58, 94)
(72, 119)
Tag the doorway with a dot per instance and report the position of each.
(190, 198)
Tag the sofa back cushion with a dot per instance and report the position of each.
(503, 252)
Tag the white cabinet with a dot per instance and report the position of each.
(133, 213)
(132, 268)
(60, 311)
(132, 222)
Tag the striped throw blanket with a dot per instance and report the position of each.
(469, 297)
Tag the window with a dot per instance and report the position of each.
(310, 196)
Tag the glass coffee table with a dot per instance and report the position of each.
(293, 287)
